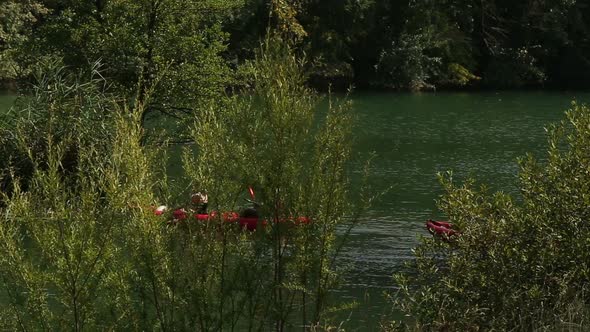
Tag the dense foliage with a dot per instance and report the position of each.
(168, 49)
(422, 44)
(517, 264)
(16, 21)
(82, 248)
(271, 142)
(411, 44)
(73, 108)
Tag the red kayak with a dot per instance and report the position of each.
(249, 223)
(443, 228)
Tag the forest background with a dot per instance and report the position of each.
(412, 44)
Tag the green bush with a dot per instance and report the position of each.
(63, 236)
(295, 157)
(514, 68)
(519, 263)
(407, 64)
(83, 250)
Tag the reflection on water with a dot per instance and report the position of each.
(416, 136)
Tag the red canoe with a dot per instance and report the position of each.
(249, 223)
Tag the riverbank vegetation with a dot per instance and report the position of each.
(84, 162)
(83, 249)
(370, 44)
(518, 264)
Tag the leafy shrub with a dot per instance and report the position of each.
(519, 264)
(514, 68)
(66, 262)
(458, 75)
(83, 250)
(270, 141)
(406, 64)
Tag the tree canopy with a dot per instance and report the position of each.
(16, 20)
(176, 44)
(453, 43)
(413, 44)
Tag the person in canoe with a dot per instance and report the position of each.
(199, 202)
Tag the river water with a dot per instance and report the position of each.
(414, 136)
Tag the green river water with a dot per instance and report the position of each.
(415, 136)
